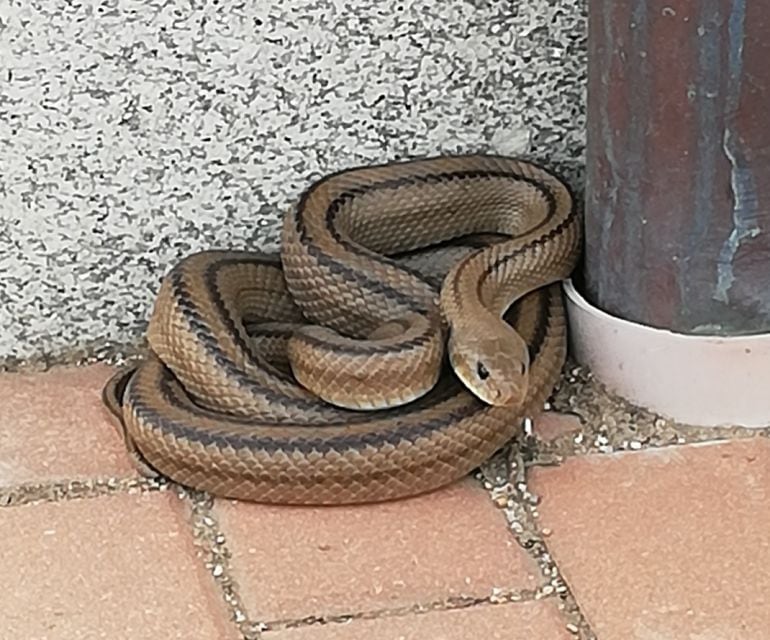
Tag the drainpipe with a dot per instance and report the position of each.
(677, 210)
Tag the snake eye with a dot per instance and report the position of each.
(482, 371)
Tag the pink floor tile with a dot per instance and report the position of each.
(115, 567)
(667, 544)
(295, 562)
(53, 426)
(520, 621)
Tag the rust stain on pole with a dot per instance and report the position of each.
(678, 154)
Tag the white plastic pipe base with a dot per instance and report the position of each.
(698, 380)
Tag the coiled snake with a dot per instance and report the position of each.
(378, 356)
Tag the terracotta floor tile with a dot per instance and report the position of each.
(293, 562)
(665, 544)
(53, 426)
(117, 567)
(551, 425)
(520, 621)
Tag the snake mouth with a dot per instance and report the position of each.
(513, 396)
(497, 398)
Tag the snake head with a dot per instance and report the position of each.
(494, 368)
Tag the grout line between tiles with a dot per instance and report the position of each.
(498, 597)
(211, 540)
(29, 493)
(505, 478)
(95, 351)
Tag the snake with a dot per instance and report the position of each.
(411, 320)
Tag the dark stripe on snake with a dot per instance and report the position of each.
(209, 343)
(568, 220)
(408, 433)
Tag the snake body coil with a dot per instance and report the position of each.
(320, 376)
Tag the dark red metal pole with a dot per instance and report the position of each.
(678, 164)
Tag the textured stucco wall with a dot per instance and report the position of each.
(134, 132)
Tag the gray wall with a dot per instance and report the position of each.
(135, 132)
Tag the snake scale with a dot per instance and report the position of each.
(412, 318)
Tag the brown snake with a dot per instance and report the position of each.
(322, 376)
